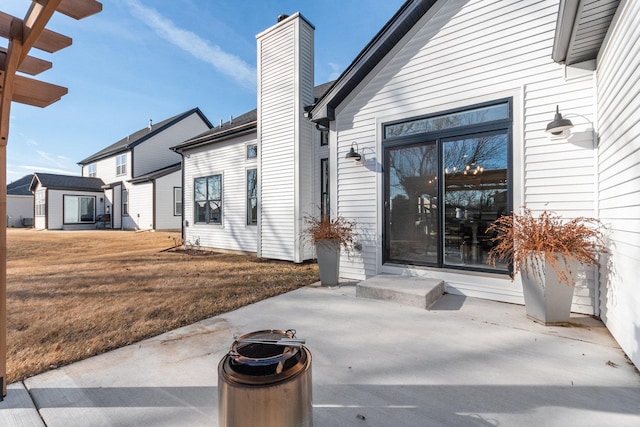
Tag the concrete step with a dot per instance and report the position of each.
(406, 290)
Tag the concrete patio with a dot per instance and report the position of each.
(464, 362)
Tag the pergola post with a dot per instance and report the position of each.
(23, 35)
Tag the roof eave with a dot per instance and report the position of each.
(381, 44)
(567, 15)
(222, 136)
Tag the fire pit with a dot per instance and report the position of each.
(265, 380)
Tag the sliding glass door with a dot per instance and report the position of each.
(413, 227)
(447, 179)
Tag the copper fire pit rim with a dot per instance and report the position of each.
(288, 352)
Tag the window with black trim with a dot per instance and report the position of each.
(324, 137)
(208, 200)
(447, 179)
(325, 206)
(252, 197)
(79, 209)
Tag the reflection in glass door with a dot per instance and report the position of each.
(475, 195)
(411, 204)
(447, 179)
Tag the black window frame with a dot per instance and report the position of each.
(92, 220)
(252, 195)
(324, 138)
(439, 137)
(208, 200)
(325, 191)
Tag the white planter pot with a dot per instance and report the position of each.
(546, 300)
(328, 253)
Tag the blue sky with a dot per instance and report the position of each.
(152, 59)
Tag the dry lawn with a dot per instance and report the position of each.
(75, 294)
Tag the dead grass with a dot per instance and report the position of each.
(71, 295)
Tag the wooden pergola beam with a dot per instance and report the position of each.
(34, 92)
(48, 41)
(77, 9)
(23, 35)
(31, 65)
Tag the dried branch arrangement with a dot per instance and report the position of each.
(525, 241)
(325, 228)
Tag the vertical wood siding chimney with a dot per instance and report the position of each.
(285, 87)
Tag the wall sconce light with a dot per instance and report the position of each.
(353, 154)
(558, 125)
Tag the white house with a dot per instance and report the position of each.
(20, 203)
(141, 181)
(142, 175)
(447, 107)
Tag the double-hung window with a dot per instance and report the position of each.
(208, 200)
(177, 201)
(92, 170)
(40, 203)
(121, 165)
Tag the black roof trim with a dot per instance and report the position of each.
(381, 44)
(241, 125)
(235, 126)
(138, 137)
(152, 176)
(581, 29)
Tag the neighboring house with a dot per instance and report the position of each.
(141, 179)
(143, 176)
(64, 202)
(447, 106)
(20, 203)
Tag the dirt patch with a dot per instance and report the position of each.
(75, 294)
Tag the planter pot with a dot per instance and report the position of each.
(546, 300)
(328, 253)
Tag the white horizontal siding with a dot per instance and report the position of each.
(106, 169)
(55, 209)
(619, 176)
(285, 86)
(165, 212)
(471, 52)
(141, 206)
(228, 159)
(154, 153)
